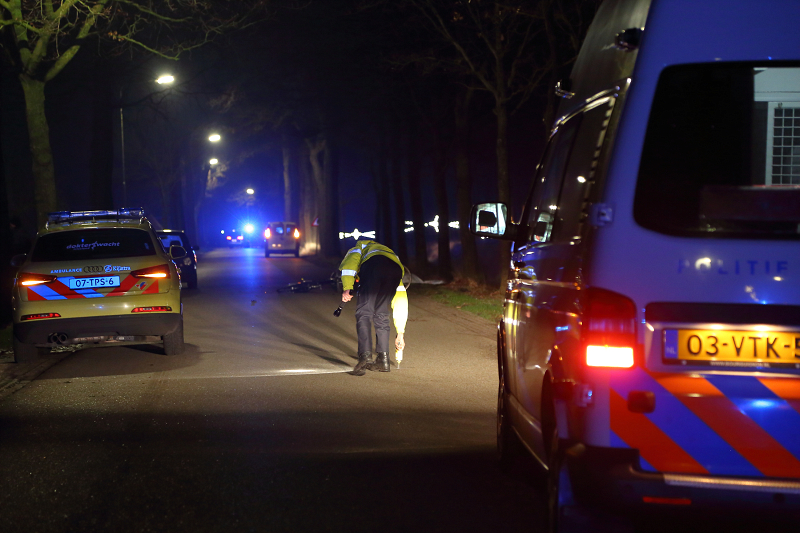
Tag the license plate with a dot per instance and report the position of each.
(94, 283)
(732, 348)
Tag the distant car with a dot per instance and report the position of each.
(94, 277)
(282, 238)
(186, 266)
(235, 239)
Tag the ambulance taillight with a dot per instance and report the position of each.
(609, 326)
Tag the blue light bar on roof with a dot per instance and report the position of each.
(67, 216)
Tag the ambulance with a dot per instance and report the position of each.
(649, 348)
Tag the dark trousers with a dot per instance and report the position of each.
(379, 278)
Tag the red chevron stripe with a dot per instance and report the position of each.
(124, 286)
(34, 297)
(785, 388)
(737, 429)
(152, 289)
(655, 447)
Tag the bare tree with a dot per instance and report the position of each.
(41, 37)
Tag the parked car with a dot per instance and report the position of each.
(282, 238)
(187, 266)
(649, 348)
(94, 277)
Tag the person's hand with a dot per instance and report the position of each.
(346, 296)
(399, 343)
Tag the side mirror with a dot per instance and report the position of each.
(177, 252)
(18, 259)
(491, 220)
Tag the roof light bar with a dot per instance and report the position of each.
(70, 216)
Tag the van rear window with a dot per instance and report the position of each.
(721, 155)
(89, 244)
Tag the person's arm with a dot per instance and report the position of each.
(400, 315)
(349, 268)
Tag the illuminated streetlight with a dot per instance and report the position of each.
(250, 191)
(214, 137)
(213, 161)
(165, 78)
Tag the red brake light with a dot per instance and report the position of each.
(40, 315)
(240, 238)
(228, 237)
(296, 233)
(29, 278)
(153, 309)
(267, 233)
(158, 271)
(609, 329)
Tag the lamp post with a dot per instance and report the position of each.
(164, 79)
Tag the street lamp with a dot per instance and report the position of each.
(214, 137)
(250, 191)
(213, 161)
(164, 79)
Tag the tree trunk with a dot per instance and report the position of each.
(415, 193)
(445, 263)
(503, 190)
(315, 149)
(398, 201)
(39, 142)
(469, 253)
(287, 181)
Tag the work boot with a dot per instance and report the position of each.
(381, 363)
(364, 361)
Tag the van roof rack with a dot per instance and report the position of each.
(65, 218)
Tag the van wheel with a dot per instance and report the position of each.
(565, 515)
(297, 252)
(173, 342)
(509, 449)
(266, 253)
(25, 353)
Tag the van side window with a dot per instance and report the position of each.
(541, 206)
(572, 203)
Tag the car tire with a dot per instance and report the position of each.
(25, 353)
(191, 283)
(173, 342)
(266, 253)
(509, 448)
(297, 252)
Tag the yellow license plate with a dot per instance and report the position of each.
(747, 347)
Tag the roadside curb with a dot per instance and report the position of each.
(14, 376)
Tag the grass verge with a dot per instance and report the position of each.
(486, 302)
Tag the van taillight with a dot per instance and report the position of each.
(267, 233)
(158, 271)
(28, 278)
(609, 326)
(296, 233)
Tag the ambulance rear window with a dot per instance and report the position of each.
(90, 244)
(721, 156)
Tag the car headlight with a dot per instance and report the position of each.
(187, 261)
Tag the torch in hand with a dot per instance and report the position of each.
(339, 309)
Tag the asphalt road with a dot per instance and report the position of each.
(259, 426)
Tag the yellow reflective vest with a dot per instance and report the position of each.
(351, 264)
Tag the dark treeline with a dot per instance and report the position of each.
(365, 114)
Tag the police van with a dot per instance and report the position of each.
(649, 349)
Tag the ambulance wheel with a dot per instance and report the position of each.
(266, 253)
(509, 449)
(173, 342)
(297, 252)
(25, 353)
